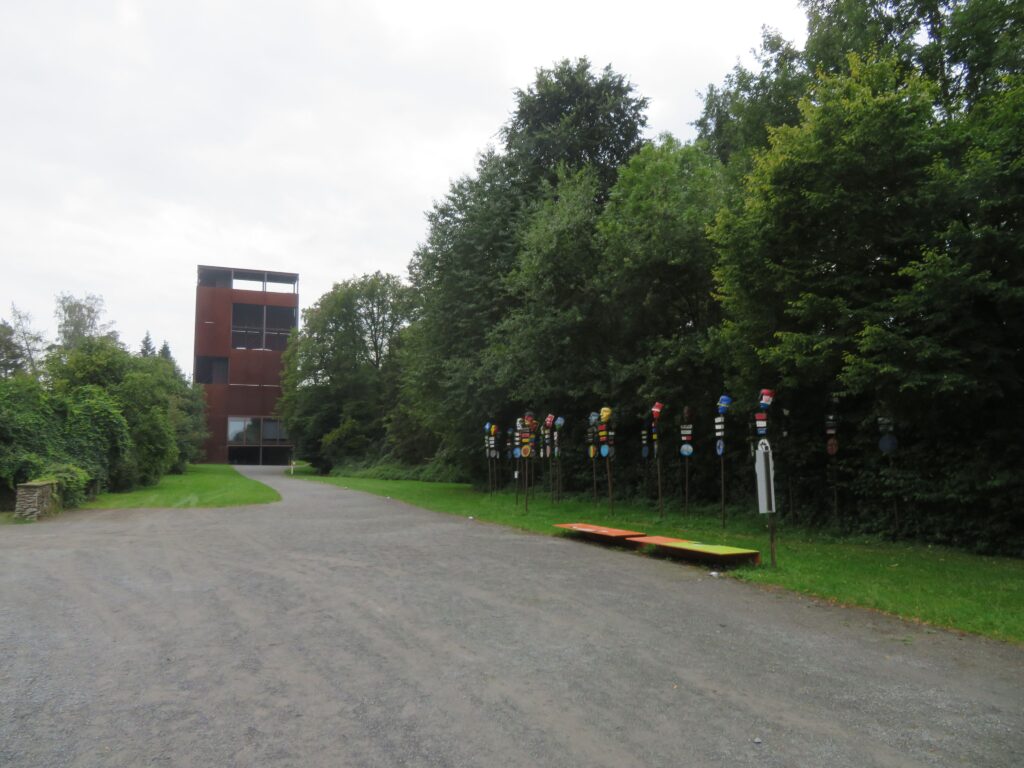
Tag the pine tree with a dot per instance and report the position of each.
(147, 349)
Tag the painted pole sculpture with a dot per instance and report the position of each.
(510, 456)
(491, 433)
(527, 450)
(592, 447)
(723, 406)
(550, 431)
(685, 452)
(832, 449)
(517, 453)
(645, 449)
(765, 467)
(656, 410)
(546, 450)
(606, 439)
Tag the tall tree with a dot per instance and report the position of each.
(335, 392)
(456, 274)
(31, 343)
(575, 117)
(146, 348)
(11, 358)
(656, 272)
(553, 322)
(382, 310)
(79, 319)
(738, 115)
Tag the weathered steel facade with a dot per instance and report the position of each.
(243, 318)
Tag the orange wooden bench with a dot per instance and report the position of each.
(600, 533)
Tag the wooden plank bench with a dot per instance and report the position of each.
(695, 550)
(600, 533)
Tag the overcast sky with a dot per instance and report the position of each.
(140, 139)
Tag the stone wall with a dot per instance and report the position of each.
(34, 500)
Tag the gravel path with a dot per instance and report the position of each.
(339, 629)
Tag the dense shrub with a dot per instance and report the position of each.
(72, 483)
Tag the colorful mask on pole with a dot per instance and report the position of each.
(606, 415)
(656, 410)
(723, 404)
(767, 395)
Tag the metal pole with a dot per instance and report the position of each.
(686, 474)
(518, 462)
(608, 469)
(721, 460)
(526, 495)
(661, 507)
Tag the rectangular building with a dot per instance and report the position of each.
(243, 319)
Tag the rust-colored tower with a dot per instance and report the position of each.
(243, 318)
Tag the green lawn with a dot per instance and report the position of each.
(935, 585)
(202, 485)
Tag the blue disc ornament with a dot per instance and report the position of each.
(645, 451)
(686, 450)
(719, 446)
(604, 451)
(517, 452)
(888, 444)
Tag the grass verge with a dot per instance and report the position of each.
(935, 585)
(202, 485)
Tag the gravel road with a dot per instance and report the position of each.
(339, 629)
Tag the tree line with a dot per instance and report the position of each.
(88, 413)
(845, 229)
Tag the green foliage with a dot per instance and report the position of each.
(336, 370)
(11, 358)
(72, 483)
(30, 433)
(738, 115)
(573, 117)
(113, 418)
(96, 433)
(80, 319)
(845, 230)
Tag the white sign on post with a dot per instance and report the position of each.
(765, 468)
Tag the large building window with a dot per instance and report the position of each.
(274, 432)
(243, 430)
(280, 321)
(211, 370)
(256, 430)
(254, 326)
(247, 326)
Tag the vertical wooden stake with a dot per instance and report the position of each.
(608, 469)
(518, 463)
(661, 507)
(686, 472)
(593, 470)
(551, 476)
(721, 460)
(771, 532)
